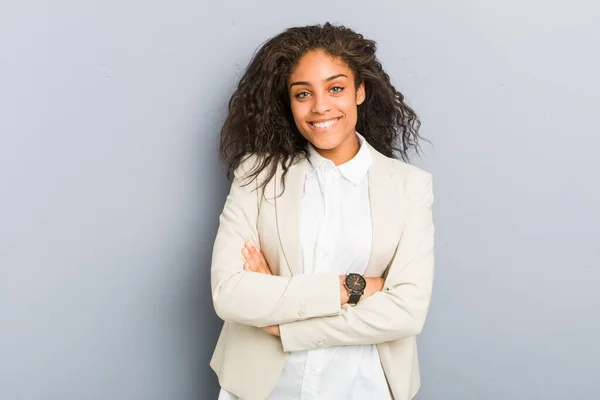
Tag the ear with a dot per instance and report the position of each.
(360, 93)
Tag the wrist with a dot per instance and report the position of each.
(374, 285)
(355, 288)
(344, 295)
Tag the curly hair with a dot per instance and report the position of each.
(260, 120)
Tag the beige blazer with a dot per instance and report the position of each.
(247, 360)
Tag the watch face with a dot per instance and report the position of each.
(356, 282)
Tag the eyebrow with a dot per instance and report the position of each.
(325, 80)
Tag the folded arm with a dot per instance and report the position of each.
(398, 311)
(259, 299)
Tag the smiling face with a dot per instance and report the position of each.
(324, 104)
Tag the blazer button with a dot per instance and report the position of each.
(302, 312)
(320, 344)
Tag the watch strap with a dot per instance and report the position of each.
(354, 298)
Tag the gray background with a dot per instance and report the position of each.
(111, 189)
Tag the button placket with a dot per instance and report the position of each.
(330, 200)
(332, 243)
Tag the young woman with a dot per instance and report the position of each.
(323, 262)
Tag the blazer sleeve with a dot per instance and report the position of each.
(399, 310)
(253, 298)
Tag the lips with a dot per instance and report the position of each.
(324, 124)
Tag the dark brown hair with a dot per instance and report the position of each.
(260, 120)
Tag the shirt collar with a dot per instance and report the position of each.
(353, 170)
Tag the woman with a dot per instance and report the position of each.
(323, 262)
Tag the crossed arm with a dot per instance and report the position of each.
(263, 300)
(259, 299)
(255, 262)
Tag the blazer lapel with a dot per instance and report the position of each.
(383, 196)
(288, 208)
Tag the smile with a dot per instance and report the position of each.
(325, 124)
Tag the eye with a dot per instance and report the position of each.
(302, 95)
(336, 89)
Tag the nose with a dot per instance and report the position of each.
(320, 104)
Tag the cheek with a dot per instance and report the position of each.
(298, 111)
(350, 107)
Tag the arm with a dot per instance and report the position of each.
(258, 299)
(398, 311)
(255, 261)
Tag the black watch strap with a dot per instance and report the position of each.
(354, 298)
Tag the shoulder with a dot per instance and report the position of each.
(416, 183)
(407, 170)
(399, 169)
(245, 173)
(247, 163)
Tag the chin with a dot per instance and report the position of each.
(324, 143)
(325, 140)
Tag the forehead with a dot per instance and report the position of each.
(317, 65)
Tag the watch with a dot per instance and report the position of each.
(356, 285)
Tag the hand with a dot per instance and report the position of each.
(374, 285)
(255, 260)
(272, 330)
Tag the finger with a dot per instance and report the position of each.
(268, 329)
(246, 248)
(263, 262)
(264, 265)
(246, 254)
(250, 264)
(255, 259)
(250, 254)
(260, 261)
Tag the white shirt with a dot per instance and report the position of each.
(335, 235)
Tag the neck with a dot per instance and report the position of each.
(342, 153)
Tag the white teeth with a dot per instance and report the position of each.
(325, 124)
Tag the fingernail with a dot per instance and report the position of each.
(245, 251)
(248, 245)
(246, 265)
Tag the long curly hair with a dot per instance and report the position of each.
(260, 120)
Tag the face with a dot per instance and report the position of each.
(355, 282)
(324, 104)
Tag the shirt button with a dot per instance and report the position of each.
(302, 312)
